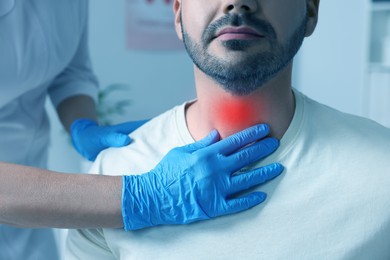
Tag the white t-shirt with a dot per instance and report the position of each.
(331, 202)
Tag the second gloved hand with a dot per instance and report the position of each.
(89, 138)
(193, 182)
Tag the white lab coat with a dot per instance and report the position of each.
(43, 52)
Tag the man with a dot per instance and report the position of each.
(332, 202)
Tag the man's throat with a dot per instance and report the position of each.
(232, 115)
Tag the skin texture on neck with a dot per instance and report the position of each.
(215, 108)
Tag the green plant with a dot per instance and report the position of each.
(108, 106)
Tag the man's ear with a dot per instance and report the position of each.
(312, 16)
(177, 12)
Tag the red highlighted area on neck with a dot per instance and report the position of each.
(235, 114)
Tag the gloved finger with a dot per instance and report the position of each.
(241, 139)
(244, 181)
(114, 140)
(210, 139)
(128, 127)
(251, 153)
(245, 202)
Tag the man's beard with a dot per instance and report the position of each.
(244, 77)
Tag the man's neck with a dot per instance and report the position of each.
(215, 108)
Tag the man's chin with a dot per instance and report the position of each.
(237, 45)
(241, 85)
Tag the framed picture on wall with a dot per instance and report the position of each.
(150, 25)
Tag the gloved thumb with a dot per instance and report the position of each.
(115, 140)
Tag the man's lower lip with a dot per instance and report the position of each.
(238, 36)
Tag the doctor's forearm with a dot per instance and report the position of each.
(76, 107)
(32, 197)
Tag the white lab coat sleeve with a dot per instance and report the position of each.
(77, 78)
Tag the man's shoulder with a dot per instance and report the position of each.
(345, 133)
(149, 144)
(164, 131)
(337, 121)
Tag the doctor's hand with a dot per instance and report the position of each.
(89, 138)
(196, 182)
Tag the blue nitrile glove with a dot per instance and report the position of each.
(193, 182)
(89, 138)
